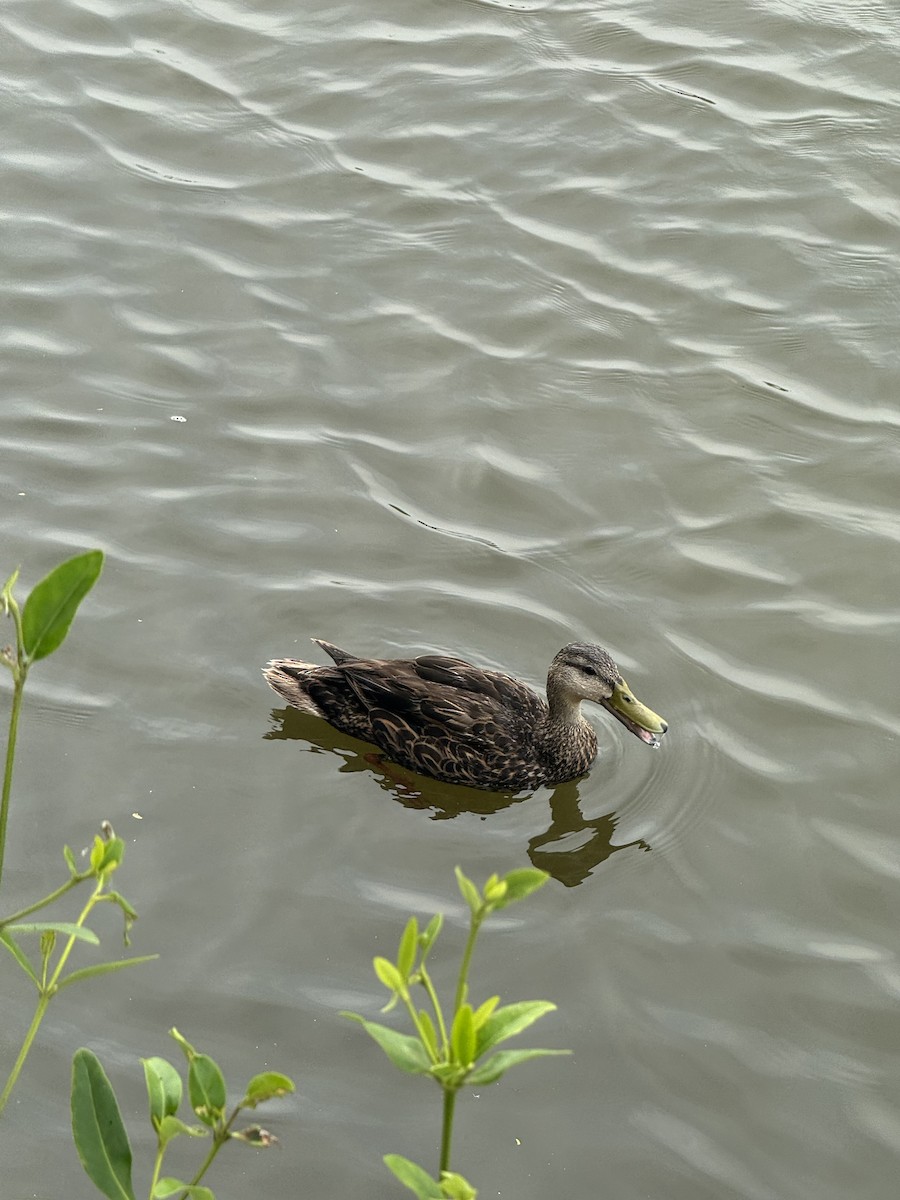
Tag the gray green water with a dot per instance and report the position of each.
(491, 326)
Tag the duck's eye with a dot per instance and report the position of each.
(589, 670)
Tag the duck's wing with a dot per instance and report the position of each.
(335, 652)
(443, 717)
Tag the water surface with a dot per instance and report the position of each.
(469, 327)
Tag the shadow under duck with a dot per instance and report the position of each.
(444, 717)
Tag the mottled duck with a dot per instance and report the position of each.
(444, 717)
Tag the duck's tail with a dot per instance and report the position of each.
(289, 678)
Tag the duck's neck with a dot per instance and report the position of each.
(568, 743)
(565, 706)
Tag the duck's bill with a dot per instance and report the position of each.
(642, 721)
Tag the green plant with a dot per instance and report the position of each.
(451, 1051)
(449, 1187)
(39, 630)
(48, 977)
(102, 1141)
(100, 1136)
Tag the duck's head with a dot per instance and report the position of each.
(582, 671)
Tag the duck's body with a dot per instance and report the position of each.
(444, 717)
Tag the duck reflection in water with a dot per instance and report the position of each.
(570, 848)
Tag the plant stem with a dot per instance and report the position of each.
(157, 1167)
(67, 949)
(20, 672)
(26, 1046)
(447, 1129)
(205, 1165)
(60, 891)
(220, 1137)
(46, 993)
(417, 1025)
(18, 687)
(475, 925)
(436, 1005)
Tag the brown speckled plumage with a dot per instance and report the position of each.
(444, 717)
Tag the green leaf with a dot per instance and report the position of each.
(173, 1127)
(455, 1187)
(206, 1088)
(509, 1020)
(100, 1137)
(117, 898)
(468, 890)
(389, 975)
(106, 854)
(127, 911)
(265, 1086)
(483, 1011)
(429, 934)
(104, 969)
(163, 1089)
(174, 1187)
(494, 891)
(498, 1064)
(429, 1033)
(6, 593)
(19, 955)
(462, 1036)
(521, 883)
(189, 1051)
(413, 1176)
(405, 1052)
(69, 856)
(64, 927)
(51, 607)
(406, 954)
(98, 850)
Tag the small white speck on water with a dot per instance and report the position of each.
(181, 420)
